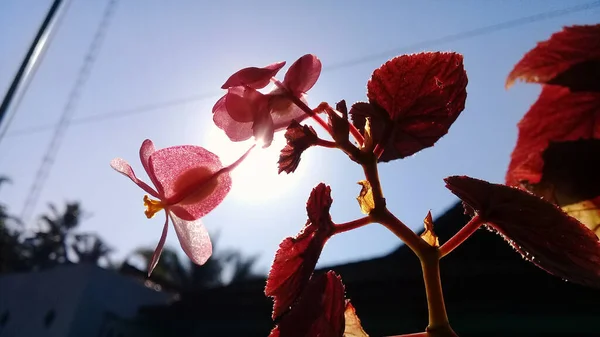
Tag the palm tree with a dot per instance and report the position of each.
(172, 270)
(57, 241)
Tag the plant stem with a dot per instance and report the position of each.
(438, 319)
(417, 334)
(326, 143)
(463, 234)
(356, 134)
(299, 103)
(382, 215)
(347, 226)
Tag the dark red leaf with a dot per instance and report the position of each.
(572, 169)
(414, 99)
(539, 230)
(584, 76)
(565, 49)
(557, 116)
(319, 312)
(297, 257)
(339, 125)
(299, 138)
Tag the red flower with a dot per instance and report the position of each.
(245, 112)
(190, 182)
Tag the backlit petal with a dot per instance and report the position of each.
(121, 166)
(303, 74)
(263, 129)
(235, 131)
(283, 117)
(146, 150)
(194, 239)
(253, 77)
(159, 247)
(243, 104)
(187, 176)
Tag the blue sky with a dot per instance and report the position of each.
(155, 53)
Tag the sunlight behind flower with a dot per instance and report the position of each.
(256, 179)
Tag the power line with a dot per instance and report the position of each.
(344, 64)
(68, 111)
(29, 66)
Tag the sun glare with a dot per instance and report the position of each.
(256, 179)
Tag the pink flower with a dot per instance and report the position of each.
(190, 182)
(245, 112)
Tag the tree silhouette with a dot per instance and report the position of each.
(12, 254)
(186, 275)
(55, 242)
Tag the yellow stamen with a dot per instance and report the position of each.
(152, 206)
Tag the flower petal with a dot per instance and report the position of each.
(235, 131)
(253, 77)
(146, 150)
(244, 104)
(283, 111)
(303, 74)
(194, 239)
(121, 166)
(263, 129)
(187, 176)
(159, 247)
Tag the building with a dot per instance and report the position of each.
(74, 301)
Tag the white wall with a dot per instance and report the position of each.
(79, 295)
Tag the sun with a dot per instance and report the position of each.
(256, 179)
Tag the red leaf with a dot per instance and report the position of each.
(571, 168)
(319, 312)
(417, 98)
(297, 257)
(565, 49)
(299, 138)
(537, 229)
(557, 116)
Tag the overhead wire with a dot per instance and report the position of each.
(66, 117)
(68, 111)
(340, 65)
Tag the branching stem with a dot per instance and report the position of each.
(347, 226)
(463, 234)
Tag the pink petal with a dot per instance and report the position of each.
(283, 117)
(263, 129)
(187, 175)
(236, 131)
(194, 239)
(121, 166)
(159, 247)
(244, 103)
(146, 150)
(303, 74)
(253, 77)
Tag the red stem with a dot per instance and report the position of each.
(356, 134)
(347, 226)
(302, 105)
(326, 143)
(463, 234)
